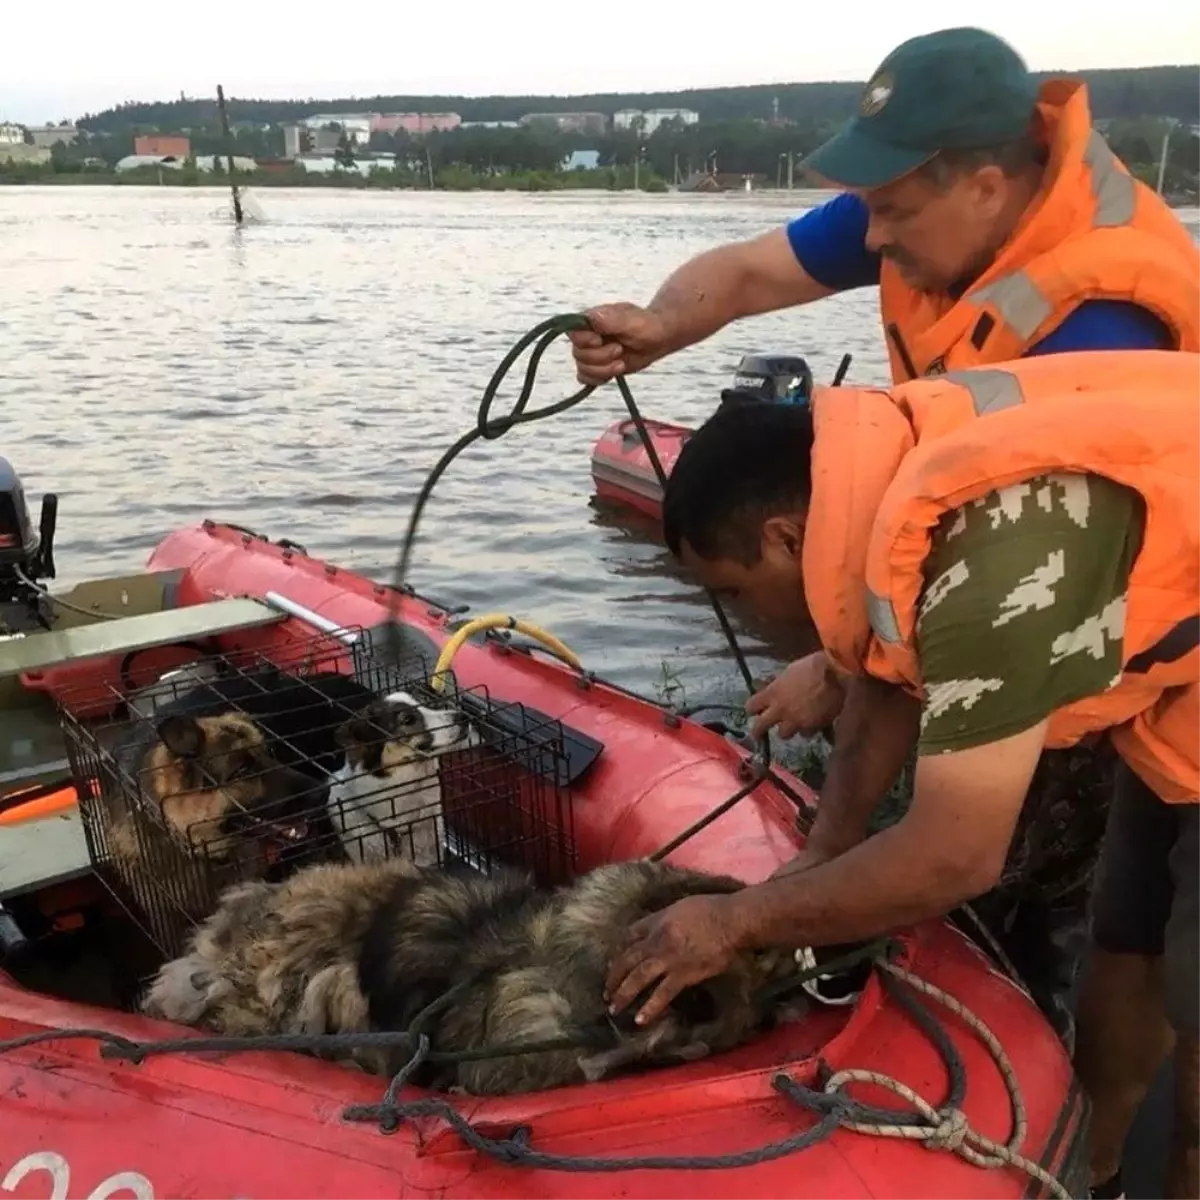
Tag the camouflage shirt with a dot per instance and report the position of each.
(1023, 611)
(1023, 608)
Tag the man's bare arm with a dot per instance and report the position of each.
(949, 847)
(876, 733)
(741, 279)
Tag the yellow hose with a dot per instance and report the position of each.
(498, 621)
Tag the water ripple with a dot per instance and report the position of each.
(319, 365)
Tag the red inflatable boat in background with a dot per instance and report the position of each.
(622, 469)
(622, 472)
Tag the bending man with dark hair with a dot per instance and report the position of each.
(984, 624)
(998, 226)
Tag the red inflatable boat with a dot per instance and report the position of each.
(622, 471)
(78, 1123)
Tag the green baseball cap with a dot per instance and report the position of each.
(953, 89)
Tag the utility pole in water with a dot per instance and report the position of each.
(237, 200)
(1162, 157)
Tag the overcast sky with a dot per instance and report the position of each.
(77, 56)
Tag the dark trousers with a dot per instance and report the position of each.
(1147, 895)
(1039, 913)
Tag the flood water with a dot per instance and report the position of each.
(302, 375)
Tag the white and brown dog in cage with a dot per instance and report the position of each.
(386, 800)
(353, 948)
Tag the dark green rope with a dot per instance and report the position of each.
(489, 428)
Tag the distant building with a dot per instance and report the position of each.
(490, 125)
(326, 164)
(651, 119)
(570, 122)
(11, 135)
(299, 139)
(356, 126)
(162, 145)
(50, 135)
(19, 152)
(581, 160)
(204, 162)
(131, 162)
(416, 124)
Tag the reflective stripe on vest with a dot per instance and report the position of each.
(1016, 298)
(991, 390)
(883, 618)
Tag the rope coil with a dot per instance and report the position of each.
(489, 428)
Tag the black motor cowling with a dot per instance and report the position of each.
(23, 550)
(775, 378)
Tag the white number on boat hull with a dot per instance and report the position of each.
(59, 1171)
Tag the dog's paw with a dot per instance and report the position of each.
(182, 991)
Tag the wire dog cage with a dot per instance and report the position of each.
(244, 767)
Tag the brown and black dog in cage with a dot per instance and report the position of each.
(241, 763)
(341, 948)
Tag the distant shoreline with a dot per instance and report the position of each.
(533, 183)
(332, 184)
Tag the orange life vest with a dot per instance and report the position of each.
(1093, 232)
(888, 464)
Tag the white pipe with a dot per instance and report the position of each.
(324, 624)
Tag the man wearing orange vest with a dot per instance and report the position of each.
(1009, 557)
(998, 225)
(995, 220)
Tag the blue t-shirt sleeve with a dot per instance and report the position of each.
(1106, 325)
(829, 242)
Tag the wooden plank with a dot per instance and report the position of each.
(38, 853)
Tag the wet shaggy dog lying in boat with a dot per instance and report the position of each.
(385, 801)
(355, 948)
(239, 759)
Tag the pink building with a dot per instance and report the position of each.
(415, 123)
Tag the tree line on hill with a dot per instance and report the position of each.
(673, 153)
(1168, 91)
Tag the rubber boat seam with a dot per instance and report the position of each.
(656, 782)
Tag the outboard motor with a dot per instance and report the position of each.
(26, 556)
(775, 378)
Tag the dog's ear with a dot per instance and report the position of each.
(370, 724)
(182, 735)
(350, 733)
